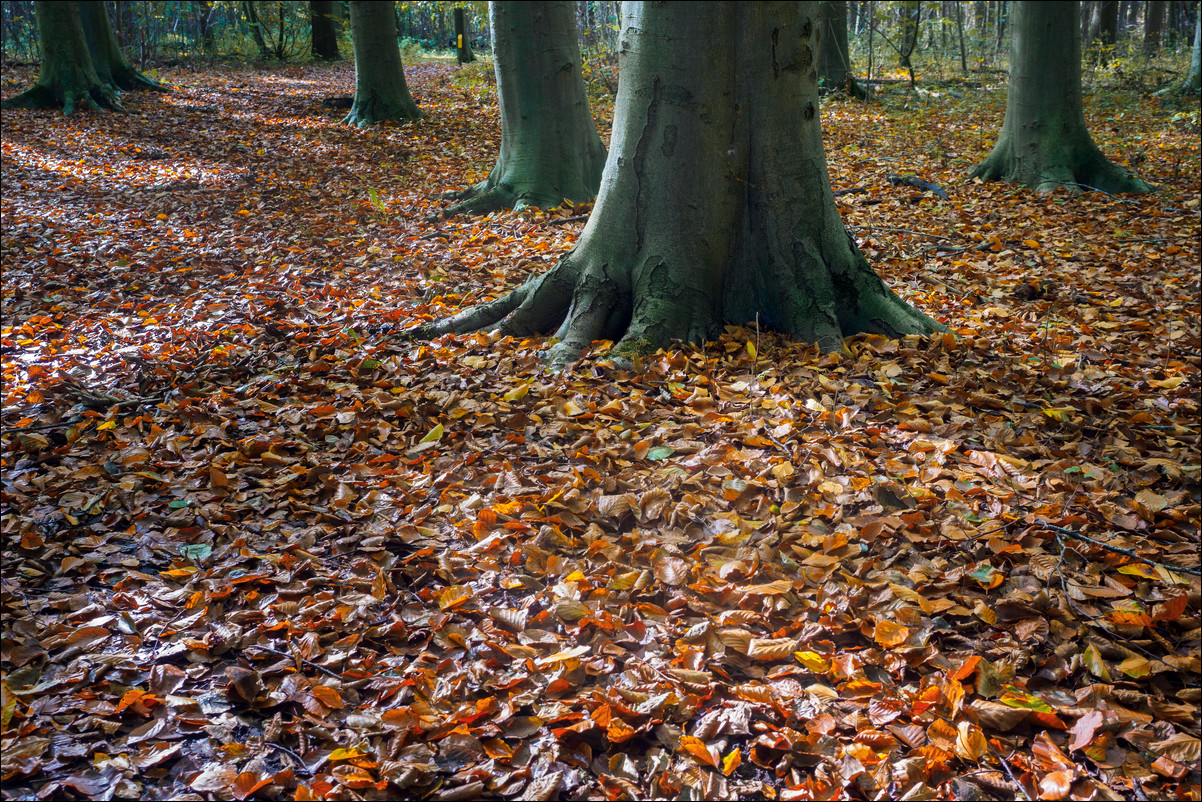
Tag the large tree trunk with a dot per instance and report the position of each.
(1044, 142)
(550, 150)
(715, 205)
(834, 61)
(323, 25)
(111, 66)
(380, 89)
(67, 77)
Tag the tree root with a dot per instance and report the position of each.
(41, 96)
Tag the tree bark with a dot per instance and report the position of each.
(380, 89)
(463, 49)
(550, 150)
(834, 60)
(67, 78)
(256, 28)
(1153, 23)
(1044, 142)
(112, 68)
(715, 205)
(1193, 81)
(324, 26)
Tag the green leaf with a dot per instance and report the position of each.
(179, 503)
(660, 452)
(1013, 697)
(196, 551)
(433, 435)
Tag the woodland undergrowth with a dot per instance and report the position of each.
(256, 545)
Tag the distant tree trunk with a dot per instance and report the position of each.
(960, 32)
(463, 48)
(1152, 25)
(110, 63)
(67, 78)
(380, 89)
(716, 204)
(550, 149)
(1044, 142)
(323, 23)
(911, 11)
(256, 28)
(204, 21)
(834, 60)
(1193, 81)
(1103, 24)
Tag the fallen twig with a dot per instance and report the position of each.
(1117, 550)
(561, 220)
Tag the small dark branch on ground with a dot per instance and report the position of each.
(917, 183)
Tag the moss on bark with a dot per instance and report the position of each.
(1044, 142)
(380, 89)
(550, 150)
(67, 78)
(715, 205)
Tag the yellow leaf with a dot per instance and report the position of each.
(1030, 243)
(1135, 666)
(751, 349)
(344, 754)
(813, 661)
(517, 393)
(731, 761)
(433, 435)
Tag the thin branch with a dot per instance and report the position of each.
(293, 657)
(561, 220)
(1118, 550)
(903, 231)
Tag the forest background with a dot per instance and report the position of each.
(257, 545)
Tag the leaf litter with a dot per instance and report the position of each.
(255, 546)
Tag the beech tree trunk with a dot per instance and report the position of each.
(323, 25)
(67, 78)
(834, 61)
(1153, 21)
(111, 66)
(463, 48)
(715, 205)
(1044, 142)
(380, 89)
(550, 150)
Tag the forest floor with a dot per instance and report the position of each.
(257, 546)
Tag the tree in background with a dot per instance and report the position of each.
(111, 66)
(715, 205)
(550, 149)
(1193, 79)
(463, 48)
(1044, 142)
(834, 61)
(67, 77)
(323, 21)
(380, 89)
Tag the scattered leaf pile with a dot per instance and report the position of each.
(257, 546)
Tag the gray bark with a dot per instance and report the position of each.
(67, 78)
(699, 223)
(550, 150)
(1044, 142)
(112, 68)
(380, 89)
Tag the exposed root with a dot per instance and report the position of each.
(41, 96)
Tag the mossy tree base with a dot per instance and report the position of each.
(1044, 142)
(96, 97)
(699, 223)
(380, 89)
(1079, 167)
(550, 150)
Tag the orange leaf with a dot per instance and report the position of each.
(328, 697)
(698, 750)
